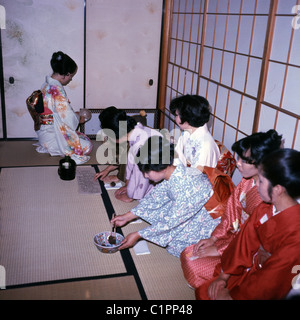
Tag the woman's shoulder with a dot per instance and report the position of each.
(184, 173)
(247, 182)
(53, 87)
(244, 186)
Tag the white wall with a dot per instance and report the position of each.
(34, 30)
(122, 53)
(123, 49)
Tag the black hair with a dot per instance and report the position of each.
(192, 109)
(260, 144)
(110, 118)
(155, 155)
(282, 167)
(62, 64)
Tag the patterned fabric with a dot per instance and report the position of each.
(222, 187)
(197, 149)
(46, 119)
(138, 186)
(34, 114)
(241, 204)
(226, 162)
(175, 209)
(35, 117)
(61, 137)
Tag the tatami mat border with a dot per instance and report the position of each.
(43, 283)
(125, 254)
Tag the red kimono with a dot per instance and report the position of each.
(240, 205)
(279, 235)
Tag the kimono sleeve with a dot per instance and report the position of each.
(172, 217)
(208, 155)
(238, 256)
(180, 158)
(274, 279)
(225, 232)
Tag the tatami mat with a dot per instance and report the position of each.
(47, 228)
(22, 153)
(96, 289)
(160, 272)
(46, 231)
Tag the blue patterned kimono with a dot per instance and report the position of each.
(175, 210)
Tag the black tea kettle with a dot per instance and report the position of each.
(67, 168)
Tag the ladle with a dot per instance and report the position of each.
(111, 238)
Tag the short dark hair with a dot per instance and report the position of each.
(62, 64)
(282, 167)
(110, 118)
(156, 154)
(192, 109)
(260, 144)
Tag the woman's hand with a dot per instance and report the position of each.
(208, 252)
(121, 194)
(216, 289)
(121, 191)
(205, 248)
(81, 119)
(103, 174)
(223, 294)
(123, 219)
(130, 240)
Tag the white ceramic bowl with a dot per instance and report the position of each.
(102, 244)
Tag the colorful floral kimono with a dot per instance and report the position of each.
(138, 186)
(278, 233)
(57, 134)
(175, 210)
(197, 149)
(241, 203)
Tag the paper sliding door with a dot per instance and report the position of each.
(122, 53)
(34, 30)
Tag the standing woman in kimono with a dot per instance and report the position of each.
(57, 134)
(260, 262)
(200, 260)
(175, 207)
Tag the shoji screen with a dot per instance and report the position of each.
(280, 107)
(243, 56)
(122, 53)
(184, 52)
(216, 50)
(231, 66)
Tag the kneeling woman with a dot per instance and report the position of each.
(174, 207)
(259, 263)
(57, 134)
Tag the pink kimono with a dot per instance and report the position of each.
(138, 186)
(240, 205)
